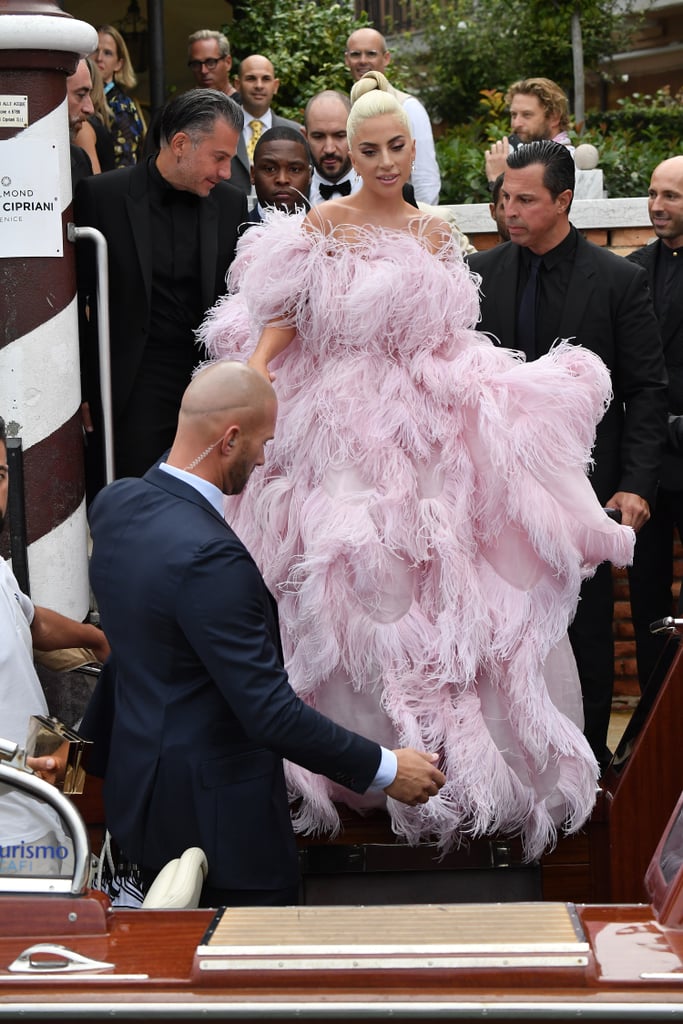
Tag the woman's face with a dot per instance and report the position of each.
(382, 153)
(106, 57)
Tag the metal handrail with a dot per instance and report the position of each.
(16, 774)
(74, 234)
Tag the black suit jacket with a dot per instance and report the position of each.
(608, 310)
(240, 175)
(203, 710)
(671, 326)
(116, 203)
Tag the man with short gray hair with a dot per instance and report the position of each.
(209, 60)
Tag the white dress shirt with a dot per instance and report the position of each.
(318, 179)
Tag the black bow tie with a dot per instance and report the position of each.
(342, 187)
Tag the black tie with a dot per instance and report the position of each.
(342, 187)
(526, 314)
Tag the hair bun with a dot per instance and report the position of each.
(372, 81)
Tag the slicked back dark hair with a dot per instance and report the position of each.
(196, 112)
(559, 173)
(283, 133)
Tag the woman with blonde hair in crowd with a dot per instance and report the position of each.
(127, 128)
(102, 119)
(423, 514)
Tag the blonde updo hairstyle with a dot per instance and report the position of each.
(372, 96)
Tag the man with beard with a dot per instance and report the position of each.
(203, 712)
(26, 823)
(538, 110)
(80, 108)
(325, 120)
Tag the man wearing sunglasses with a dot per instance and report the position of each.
(209, 60)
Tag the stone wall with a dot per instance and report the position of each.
(622, 225)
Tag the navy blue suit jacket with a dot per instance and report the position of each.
(203, 710)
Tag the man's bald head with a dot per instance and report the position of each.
(226, 416)
(665, 201)
(222, 389)
(366, 50)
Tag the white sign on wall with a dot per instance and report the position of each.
(13, 111)
(30, 206)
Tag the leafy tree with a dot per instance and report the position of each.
(304, 39)
(487, 44)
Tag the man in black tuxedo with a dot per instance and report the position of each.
(171, 224)
(548, 283)
(325, 120)
(203, 712)
(651, 575)
(257, 87)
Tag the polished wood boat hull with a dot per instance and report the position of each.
(619, 964)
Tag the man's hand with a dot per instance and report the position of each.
(635, 511)
(100, 645)
(417, 777)
(496, 158)
(52, 767)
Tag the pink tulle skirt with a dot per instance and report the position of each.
(425, 521)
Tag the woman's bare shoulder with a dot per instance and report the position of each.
(325, 217)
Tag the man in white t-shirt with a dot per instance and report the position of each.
(31, 838)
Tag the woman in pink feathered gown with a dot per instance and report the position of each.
(424, 516)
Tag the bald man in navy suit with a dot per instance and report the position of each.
(203, 712)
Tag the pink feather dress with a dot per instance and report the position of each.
(425, 521)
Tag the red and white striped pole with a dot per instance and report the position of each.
(39, 360)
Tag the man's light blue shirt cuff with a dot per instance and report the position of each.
(386, 773)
